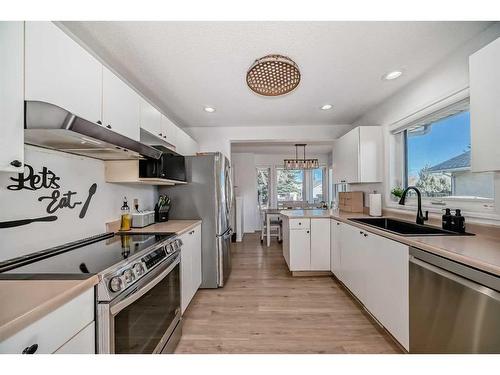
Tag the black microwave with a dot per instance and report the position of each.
(170, 166)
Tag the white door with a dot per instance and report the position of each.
(59, 71)
(186, 271)
(12, 96)
(150, 118)
(300, 249)
(387, 289)
(353, 260)
(196, 240)
(120, 106)
(335, 259)
(168, 131)
(320, 245)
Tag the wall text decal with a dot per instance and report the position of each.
(56, 200)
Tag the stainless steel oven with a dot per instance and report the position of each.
(145, 319)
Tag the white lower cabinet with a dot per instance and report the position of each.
(190, 265)
(57, 329)
(335, 259)
(306, 244)
(375, 269)
(82, 343)
(320, 245)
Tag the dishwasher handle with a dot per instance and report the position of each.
(456, 278)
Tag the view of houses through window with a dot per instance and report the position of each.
(438, 160)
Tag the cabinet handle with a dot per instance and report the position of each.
(161, 135)
(16, 163)
(165, 136)
(307, 231)
(108, 126)
(361, 232)
(364, 234)
(30, 349)
(192, 232)
(99, 122)
(338, 223)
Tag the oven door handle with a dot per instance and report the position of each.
(118, 306)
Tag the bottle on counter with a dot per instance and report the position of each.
(126, 217)
(458, 222)
(447, 219)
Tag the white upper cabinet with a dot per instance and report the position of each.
(59, 71)
(168, 131)
(120, 106)
(358, 156)
(185, 145)
(484, 76)
(12, 96)
(150, 118)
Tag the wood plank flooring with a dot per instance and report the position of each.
(262, 309)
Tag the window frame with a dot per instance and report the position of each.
(475, 205)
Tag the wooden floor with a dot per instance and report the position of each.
(262, 309)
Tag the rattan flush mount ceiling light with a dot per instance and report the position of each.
(273, 75)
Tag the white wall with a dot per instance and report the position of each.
(449, 76)
(76, 174)
(219, 138)
(245, 181)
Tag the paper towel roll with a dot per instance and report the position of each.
(375, 204)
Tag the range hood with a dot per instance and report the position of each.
(50, 126)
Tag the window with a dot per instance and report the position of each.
(289, 185)
(318, 185)
(263, 187)
(438, 160)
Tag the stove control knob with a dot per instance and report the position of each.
(115, 284)
(139, 269)
(129, 276)
(169, 249)
(178, 242)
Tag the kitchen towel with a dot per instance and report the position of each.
(375, 204)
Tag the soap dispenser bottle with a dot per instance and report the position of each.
(447, 218)
(458, 222)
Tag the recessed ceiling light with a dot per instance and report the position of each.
(392, 75)
(326, 107)
(209, 109)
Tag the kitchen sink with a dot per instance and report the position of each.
(406, 228)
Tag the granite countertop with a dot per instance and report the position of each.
(481, 251)
(25, 301)
(172, 226)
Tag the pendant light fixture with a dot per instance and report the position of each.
(273, 75)
(300, 163)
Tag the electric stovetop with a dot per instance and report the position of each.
(85, 257)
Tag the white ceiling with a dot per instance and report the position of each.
(183, 66)
(281, 148)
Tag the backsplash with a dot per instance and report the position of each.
(59, 198)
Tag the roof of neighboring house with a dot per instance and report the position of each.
(459, 162)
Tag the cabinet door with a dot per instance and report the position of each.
(59, 71)
(12, 96)
(286, 241)
(484, 77)
(370, 154)
(346, 153)
(185, 144)
(387, 289)
(335, 259)
(82, 343)
(169, 131)
(196, 241)
(320, 245)
(186, 271)
(353, 261)
(120, 106)
(300, 250)
(150, 118)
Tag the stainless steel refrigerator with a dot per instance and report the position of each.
(208, 195)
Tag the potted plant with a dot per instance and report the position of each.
(397, 192)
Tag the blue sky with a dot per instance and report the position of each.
(448, 138)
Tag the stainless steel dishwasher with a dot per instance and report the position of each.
(453, 308)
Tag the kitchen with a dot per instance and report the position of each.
(244, 213)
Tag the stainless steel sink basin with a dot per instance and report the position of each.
(406, 228)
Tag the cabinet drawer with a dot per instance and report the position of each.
(300, 223)
(82, 343)
(55, 329)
